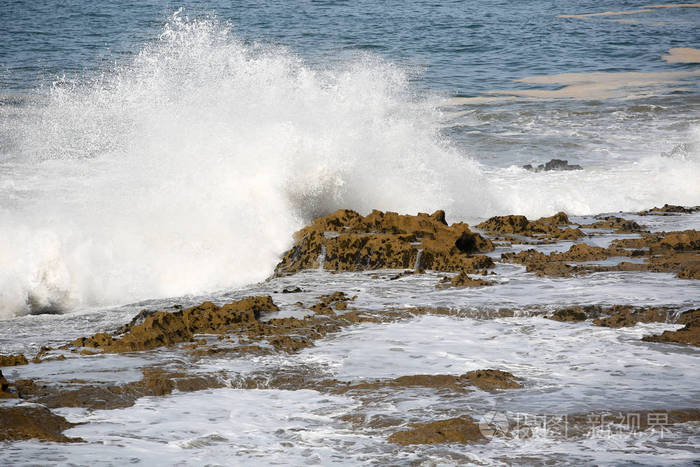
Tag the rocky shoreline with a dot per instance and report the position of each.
(346, 241)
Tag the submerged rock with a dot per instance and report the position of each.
(461, 280)
(568, 315)
(462, 429)
(486, 380)
(617, 224)
(155, 382)
(347, 241)
(625, 315)
(553, 164)
(33, 422)
(689, 334)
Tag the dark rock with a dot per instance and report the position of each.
(554, 164)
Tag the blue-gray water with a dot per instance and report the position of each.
(463, 48)
(157, 153)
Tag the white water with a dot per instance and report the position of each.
(187, 170)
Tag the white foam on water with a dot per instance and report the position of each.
(187, 170)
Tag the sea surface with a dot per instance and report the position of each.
(158, 152)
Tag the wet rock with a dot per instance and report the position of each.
(568, 315)
(461, 280)
(162, 328)
(33, 422)
(462, 429)
(553, 164)
(669, 209)
(347, 241)
(624, 316)
(664, 252)
(13, 360)
(616, 224)
(486, 380)
(539, 263)
(489, 380)
(689, 334)
(545, 227)
(688, 316)
(292, 290)
(155, 382)
(5, 392)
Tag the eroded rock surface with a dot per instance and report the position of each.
(486, 380)
(669, 209)
(554, 227)
(33, 422)
(347, 241)
(461, 280)
(155, 382)
(689, 334)
(13, 360)
(462, 429)
(163, 328)
(676, 252)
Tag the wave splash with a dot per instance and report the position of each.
(189, 168)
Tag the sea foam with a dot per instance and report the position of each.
(187, 169)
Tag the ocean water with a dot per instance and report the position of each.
(154, 149)
(159, 153)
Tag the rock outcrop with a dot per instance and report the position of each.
(156, 329)
(545, 227)
(676, 252)
(347, 241)
(553, 164)
(33, 422)
(461, 280)
(689, 334)
(13, 360)
(462, 429)
(669, 210)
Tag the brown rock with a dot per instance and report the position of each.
(5, 392)
(669, 209)
(568, 315)
(33, 422)
(454, 430)
(489, 380)
(624, 315)
(348, 241)
(617, 224)
(689, 334)
(546, 227)
(461, 280)
(13, 360)
(162, 328)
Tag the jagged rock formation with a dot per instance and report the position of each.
(545, 227)
(347, 241)
(162, 328)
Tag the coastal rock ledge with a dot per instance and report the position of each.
(347, 241)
